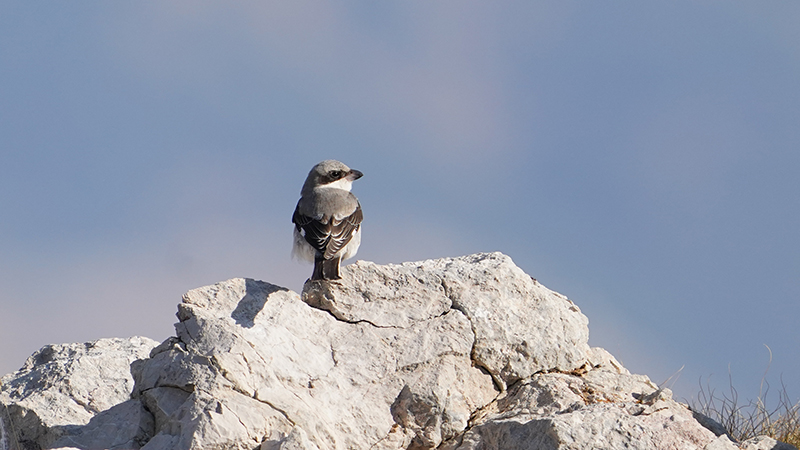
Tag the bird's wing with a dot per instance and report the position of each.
(341, 231)
(328, 235)
(315, 231)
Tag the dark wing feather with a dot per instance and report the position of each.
(328, 235)
(315, 232)
(341, 231)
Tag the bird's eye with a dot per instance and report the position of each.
(336, 174)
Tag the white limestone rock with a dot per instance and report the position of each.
(127, 425)
(61, 389)
(601, 409)
(456, 353)
(765, 443)
(297, 376)
(383, 295)
(520, 326)
(401, 354)
(722, 442)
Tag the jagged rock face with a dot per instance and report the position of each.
(56, 396)
(603, 408)
(458, 353)
(353, 383)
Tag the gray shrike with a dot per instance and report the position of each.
(327, 219)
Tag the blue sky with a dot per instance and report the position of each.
(642, 158)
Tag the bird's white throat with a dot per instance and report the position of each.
(341, 183)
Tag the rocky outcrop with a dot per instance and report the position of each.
(458, 353)
(76, 394)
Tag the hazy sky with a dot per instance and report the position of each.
(642, 158)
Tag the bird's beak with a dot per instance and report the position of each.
(354, 175)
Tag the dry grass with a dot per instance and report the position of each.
(745, 420)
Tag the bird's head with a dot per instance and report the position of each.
(331, 174)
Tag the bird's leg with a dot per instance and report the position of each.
(330, 269)
(319, 272)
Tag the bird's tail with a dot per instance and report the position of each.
(326, 269)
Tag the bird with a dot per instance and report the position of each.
(327, 219)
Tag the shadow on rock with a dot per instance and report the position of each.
(256, 295)
(124, 426)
